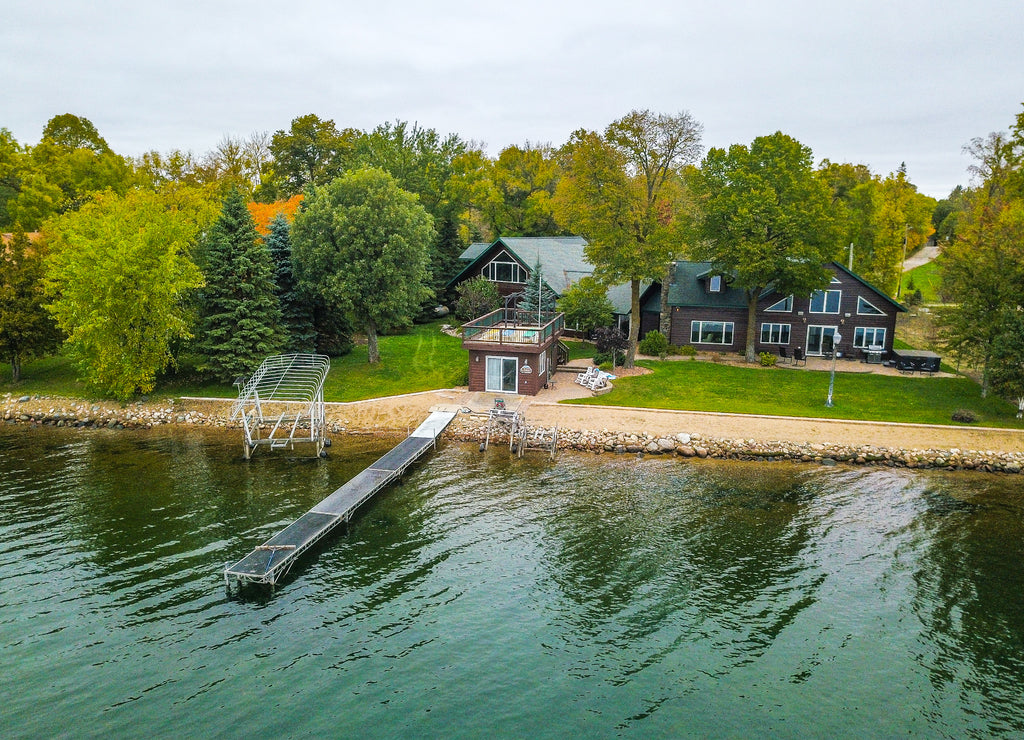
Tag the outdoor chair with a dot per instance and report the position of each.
(905, 366)
(585, 377)
(798, 356)
(783, 355)
(597, 382)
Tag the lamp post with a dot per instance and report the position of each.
(836, 339)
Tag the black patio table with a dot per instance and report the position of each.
(916, 360)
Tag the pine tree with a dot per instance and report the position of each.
(537, 292)
(241, 314)
(296, 308)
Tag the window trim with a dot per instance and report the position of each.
(860, 332)
(877, 311)
(501, 259)
(824, 305)
(771, 328)
(788, 300)
(715, 284)
(728, 329)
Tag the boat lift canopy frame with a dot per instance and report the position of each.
(294, 383)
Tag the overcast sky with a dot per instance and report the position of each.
(877, 82)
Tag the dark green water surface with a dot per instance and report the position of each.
(488, 597)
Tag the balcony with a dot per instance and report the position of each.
(515, 328)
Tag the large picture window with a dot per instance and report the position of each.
(711, 332)
(775, 333)
(825, 301)
(866, 336)
(504, 269)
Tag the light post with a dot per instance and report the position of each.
(836, 339)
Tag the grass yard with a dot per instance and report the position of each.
(422, 359)
(707, 386)
(924, 278)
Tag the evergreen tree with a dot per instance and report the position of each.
(26, 328)
(296, 308)
(241, 314)
(537, 296)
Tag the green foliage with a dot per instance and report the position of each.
(26, 328)
(925, 279)
(654, 344)
(964, 416)
(586, 306)
(765, 219)
(362, 244)
(477, 297)
(536, 293)
(240, 312)
(118, 274)
(623, 191)
(311, 152)
(1007, 364)
(296, 308)
(767, 359)
(524, 180)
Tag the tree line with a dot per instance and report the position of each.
(140, 260)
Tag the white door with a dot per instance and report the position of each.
(502, 375)
(820, 339)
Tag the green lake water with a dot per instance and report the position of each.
(485, 597)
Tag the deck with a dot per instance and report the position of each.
(271, 561)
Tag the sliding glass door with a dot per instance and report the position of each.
(502, 375)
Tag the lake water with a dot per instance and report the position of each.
(594, 596)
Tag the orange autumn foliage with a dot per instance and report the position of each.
(264, 213)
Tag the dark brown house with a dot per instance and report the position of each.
(513, 351)
(708, 313)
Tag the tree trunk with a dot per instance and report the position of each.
(372, 351)
(666, 317)
(15, 368)
(752, 296)
(634, 323)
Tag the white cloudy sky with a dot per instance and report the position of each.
(878, 82)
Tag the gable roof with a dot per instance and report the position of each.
(687, 288)
(881, 294)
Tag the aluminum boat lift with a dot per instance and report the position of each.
(286, 395)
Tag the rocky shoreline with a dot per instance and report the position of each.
(43, 411)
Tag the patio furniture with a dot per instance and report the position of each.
(911, 360)
(799, 356)
(585, 377)
(783, 355)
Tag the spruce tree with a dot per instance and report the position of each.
(296, 308)
(241, 314)
(537, 295)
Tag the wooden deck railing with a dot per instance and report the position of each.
(513, 326)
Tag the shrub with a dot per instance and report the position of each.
(687, 350)
(476, 298)
(602, 358)
(768, 359)
(965, 416)
(654, 344)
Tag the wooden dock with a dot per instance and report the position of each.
(271, 561)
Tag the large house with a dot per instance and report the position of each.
(710, 314)
(706, 311)
(508, 261)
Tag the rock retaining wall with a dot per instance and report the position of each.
(472, 428)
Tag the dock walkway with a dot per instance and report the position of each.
(272, 560)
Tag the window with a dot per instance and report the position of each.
(866, 336)
(834, 280)
(825, 301)
(783, 306)
(711, 332)
(864, 308)
(504, 269)
(502, 375)
(775, 333)
(715, 284)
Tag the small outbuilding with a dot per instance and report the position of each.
(514, 351)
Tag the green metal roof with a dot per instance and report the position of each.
(562, 261)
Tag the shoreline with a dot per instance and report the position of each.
(592, 429)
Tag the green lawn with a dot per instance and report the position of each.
(707, 386)
(422, 359)
(924, 278)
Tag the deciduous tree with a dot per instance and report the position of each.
(362, 243)
(623, 192)
(586, 306)
(764, 219)
(311, 152)
(27, 329)
(119, 274)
